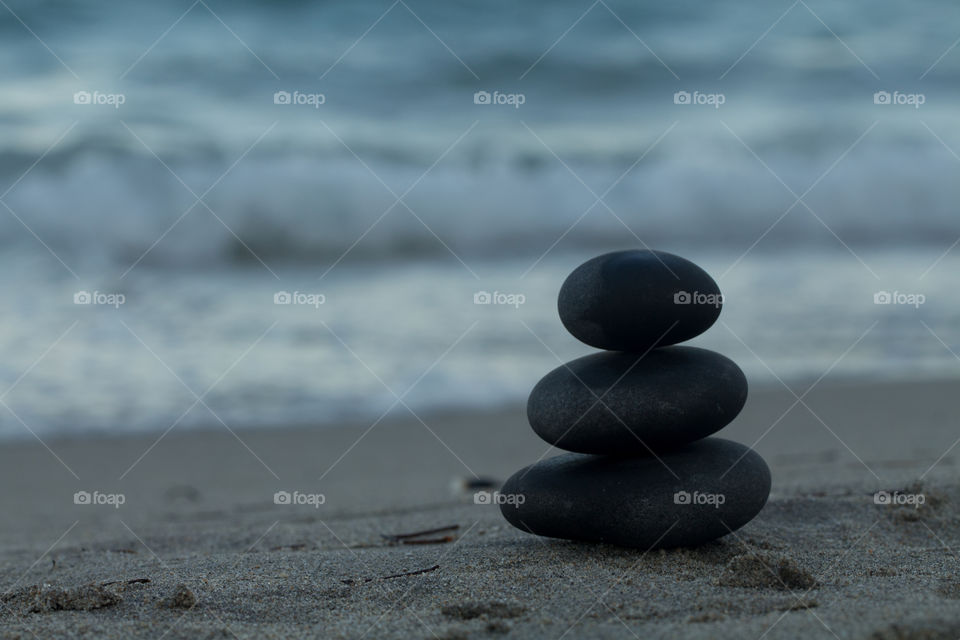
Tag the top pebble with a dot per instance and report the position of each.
(636, 300)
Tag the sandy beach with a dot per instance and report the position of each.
(198, 547)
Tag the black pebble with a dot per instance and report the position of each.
(637, 501)
(635, 300)
(662, 400)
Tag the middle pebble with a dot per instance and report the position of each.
(667, 398)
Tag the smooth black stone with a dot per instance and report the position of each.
(663, 399)
(634, 502)
(630, 300)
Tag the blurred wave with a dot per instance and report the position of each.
(299, 207)
(200, 95)
(114, 191)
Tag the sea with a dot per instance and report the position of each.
(292, 213)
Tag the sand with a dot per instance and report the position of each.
(199, 549)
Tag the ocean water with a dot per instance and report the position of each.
(806, 154)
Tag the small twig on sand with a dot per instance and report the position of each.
(134, 581)
(396, 575)
(412, 573)
(397, 537)
(430, 540)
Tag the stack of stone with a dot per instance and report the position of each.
(637, 416)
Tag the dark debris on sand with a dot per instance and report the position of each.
(490, 609)
(765, 570)
(46, 598)
(919, 630)
(181, 598)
